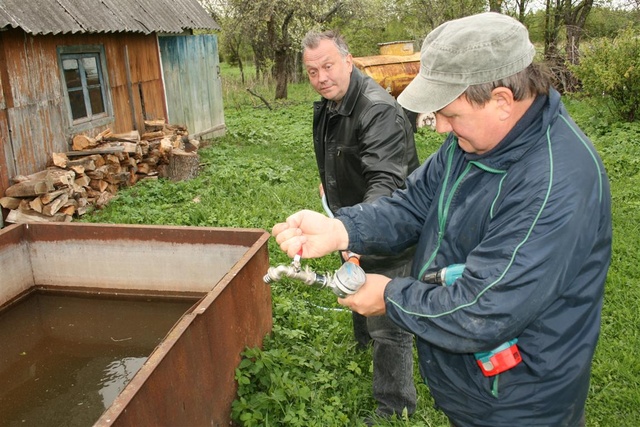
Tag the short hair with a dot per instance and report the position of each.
(313, 38)
(532, 81)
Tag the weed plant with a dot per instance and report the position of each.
(309, 372)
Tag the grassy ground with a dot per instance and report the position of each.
(309, 372)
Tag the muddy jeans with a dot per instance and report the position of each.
(393, 386)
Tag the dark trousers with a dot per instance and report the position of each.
(582, 422)
(393, 385)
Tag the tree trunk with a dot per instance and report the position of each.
(574, 20)
(281, 66)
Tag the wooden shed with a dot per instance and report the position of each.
(82, 66)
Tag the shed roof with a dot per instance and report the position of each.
(104, 16)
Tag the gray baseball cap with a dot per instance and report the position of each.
(467, 51)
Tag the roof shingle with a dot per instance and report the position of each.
(104, 16)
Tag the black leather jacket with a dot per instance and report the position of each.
(364, 147)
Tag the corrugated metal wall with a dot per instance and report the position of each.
(34, 121)
(191, 70)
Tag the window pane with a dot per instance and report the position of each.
(76, 100)
(95, 95)
(91, 70)
(71, 73)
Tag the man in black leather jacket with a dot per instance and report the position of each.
(365, 149)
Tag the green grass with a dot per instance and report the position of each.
(309, 372)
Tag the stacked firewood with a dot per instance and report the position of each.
(96, 167)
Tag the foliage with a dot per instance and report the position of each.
(308, 371)
(610, 72)
(606, 22)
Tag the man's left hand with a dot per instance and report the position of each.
(369, 300)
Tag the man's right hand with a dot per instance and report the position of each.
(312, 232)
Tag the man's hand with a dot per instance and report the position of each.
(369, 300)
(312, 232)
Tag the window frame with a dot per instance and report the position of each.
(91, 120)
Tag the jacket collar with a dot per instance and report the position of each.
(351, 97)
(524, 134)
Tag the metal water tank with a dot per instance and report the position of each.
(395, 66)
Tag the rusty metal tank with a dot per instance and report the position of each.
(189, 378)
(394, 68)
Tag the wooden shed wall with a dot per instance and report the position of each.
(34, 121)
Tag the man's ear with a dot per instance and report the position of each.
(504, 102)
(349, 61)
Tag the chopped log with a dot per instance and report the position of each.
(10, 202)
(99, 185)
(99, 173)
(104, 198)
(92, 193)
(83, 201)
(83, 142)
(61, 177)
(117, 178)
(24, 206)
(182, 165)
(152, 135)
(133, 136)
(82, 164)
(175, 129)
(105, 150)
(165, 145)
(133, 177)
(112, 188)
(49, 197)
(58, 177)
(130, 147)
(36, 204)
(68, 210)
(154, 125)
(82, 181)
(59, 159)
(19, 178)
(70, 202)
(30, 188)
(132, 164)
(144, 168)
(102, 135)
(112, 159)
(98, 159)
(18, 217)
(53, 207)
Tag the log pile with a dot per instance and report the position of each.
(96, 167)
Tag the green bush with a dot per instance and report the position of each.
(609, 70)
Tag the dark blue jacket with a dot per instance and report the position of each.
(531, 220)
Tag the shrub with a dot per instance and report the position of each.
(609, 70)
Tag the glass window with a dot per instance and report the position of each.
(85, 84)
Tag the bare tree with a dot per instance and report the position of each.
(575, 17)
(571, 17)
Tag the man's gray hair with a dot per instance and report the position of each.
(313, 38)
(532, 81)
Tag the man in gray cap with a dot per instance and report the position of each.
(516, 205)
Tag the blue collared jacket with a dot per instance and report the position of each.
(531, 221)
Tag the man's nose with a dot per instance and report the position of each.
(322, 76)
(442, 124)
